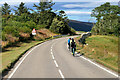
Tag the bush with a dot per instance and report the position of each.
(73, 31)
(30, 24)
(41, 26)
(11, 30)
(3, 36)
(24, 29)
(14, 23)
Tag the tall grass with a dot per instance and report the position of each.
(103, 49)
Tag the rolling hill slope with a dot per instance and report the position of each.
(80, 26)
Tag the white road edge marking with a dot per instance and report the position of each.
(61, 74)
(53, 56)
(99, 66)
(21, 62)
(55, 63)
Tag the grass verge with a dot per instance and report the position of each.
(102, 49)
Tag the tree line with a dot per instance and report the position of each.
(23, 19)
(18, 23)
(107, 17)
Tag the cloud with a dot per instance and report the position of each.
(13, 2)
(76, 12)
(86, 0)
(81, 5)
(87, 4)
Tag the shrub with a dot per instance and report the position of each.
(3, 36)
(73, 31)
(41, 26)
(30, 24)
(14, 23)
(24, 29)
(11, 30)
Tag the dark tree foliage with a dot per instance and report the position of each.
(24, 19)
(21, 9)
(44, 5)
(6, 9)
(107, 19)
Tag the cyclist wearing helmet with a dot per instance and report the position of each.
(69, 42)
(73, 47)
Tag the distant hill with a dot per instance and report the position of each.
(80, 26)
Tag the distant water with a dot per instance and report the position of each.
(80, 11)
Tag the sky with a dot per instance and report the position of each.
(76, 9)
(18, 1)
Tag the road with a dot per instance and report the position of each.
(52, 59)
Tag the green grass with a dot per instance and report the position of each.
(13, 53)
(103, 49)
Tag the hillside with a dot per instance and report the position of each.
(80, 26)
(102, 49)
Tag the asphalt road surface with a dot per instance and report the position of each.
(52, 59)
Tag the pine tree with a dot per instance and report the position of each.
(21, 9)
(6, 9)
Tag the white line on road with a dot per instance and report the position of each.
(55, 63)
(51, 49)
(61, 74)
(99, 66)
(51, 53)
(10, 76)
(53, 56)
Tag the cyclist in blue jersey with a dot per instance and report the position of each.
(69, 43)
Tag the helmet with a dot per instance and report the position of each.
(72, 39)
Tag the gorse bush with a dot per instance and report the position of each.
(11, 30)
(3, 36)
(14, 23)
(24, 29)
(41, 26)
(30, 24)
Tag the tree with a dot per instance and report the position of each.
(21, 9)
(44, 5)
(6, 9)
(44, 14)
(59, 26)
(107, 18)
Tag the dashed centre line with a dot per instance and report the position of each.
(61, 74)
(56, 64)
(53, 56)
(51, 53)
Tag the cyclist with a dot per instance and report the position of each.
(73, 47)
(69, 42)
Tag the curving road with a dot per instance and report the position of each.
(52, 59)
